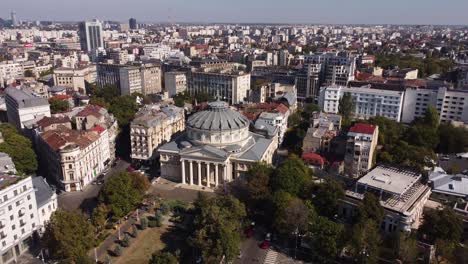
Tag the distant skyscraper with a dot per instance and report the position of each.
(14, 21)
(133, 23)
(91, 35)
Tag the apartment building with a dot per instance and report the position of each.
(368, 102)
(26, 204)
(152, 126)
(73, 158)
(22, 106)
(276, 119)
(360, 147)
(75, 78)
(323, 129)
(335, 68)
(91, 35)
(452, 105)
(269, 90)
(118, 56)
(145, 79)
(308, 81)
(175, 82)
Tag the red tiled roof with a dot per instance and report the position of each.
(98, 129)
(362, 129)
(313, 158)
(90, 110)
(47, 121)
(61, 97)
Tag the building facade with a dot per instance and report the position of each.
(360, 148)
(91, 37)
(368, 102)
(216, 148)
(22, 106)
(152, 126)
(452, 105)
(24, 211)
(401, 193)
(175, 82)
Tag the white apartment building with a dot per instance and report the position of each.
(278, 120)
(26, 204)
(130, 80)
(452, 105)
(368, 102)
(154, 125)
(360, 147)
(23, 106)
(175, 82)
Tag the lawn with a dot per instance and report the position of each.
(141, 248)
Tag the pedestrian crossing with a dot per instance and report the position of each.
(270, 257)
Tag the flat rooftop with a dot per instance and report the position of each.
(390, 179)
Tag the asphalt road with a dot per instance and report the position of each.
(251, 251)
(86, 199)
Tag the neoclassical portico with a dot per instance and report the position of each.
(203, 173)
(216, 148)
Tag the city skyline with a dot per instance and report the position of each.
(262, 11)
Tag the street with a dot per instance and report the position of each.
(86, 199)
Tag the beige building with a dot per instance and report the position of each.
(175, 82)
(75, 77)
(323, 129)
(74, 158)
(360, 149)
(401, 193)
(144, 79)
(217, 147)
(154, 125)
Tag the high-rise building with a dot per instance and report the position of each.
(90, 33)
(133, 23)
(14, 21)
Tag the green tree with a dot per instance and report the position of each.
(99, 217)
(143, 223)
(442, 225)
(407, 248)
(365, 241)
(291, 217)
(327, 197)
(124, 109)
(57, 105)
(28, 73)
(217, 227)
(160, 257)
(19, 148)
(291, 176)
(370, 209)
(346, 108)
(452, 139)
(120, 195)
(118, 250)
(327, 239)
(68, 235)
(258, 181)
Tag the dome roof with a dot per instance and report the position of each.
(218, 117)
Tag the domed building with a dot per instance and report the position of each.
(217, 147)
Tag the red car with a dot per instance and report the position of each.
(130, 168)
(265, 244)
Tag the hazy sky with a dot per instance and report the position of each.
(274, 11)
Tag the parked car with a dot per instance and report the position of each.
(265, 245)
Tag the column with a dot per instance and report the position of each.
(183, 171)
(208, 175)
(225, 173)
(216, 174)
(191, 172)
(199, 173)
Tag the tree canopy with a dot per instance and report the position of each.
(442, 225)
(19, 148)
(121, 193)
(68, 235)
(57, 105)
(291, 176)
(346, 108)
(161, 257)
(217, 227)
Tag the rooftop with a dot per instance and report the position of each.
(390, 179)
(362, 129)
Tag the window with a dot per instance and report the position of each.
(10, 207)
(450, 186)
